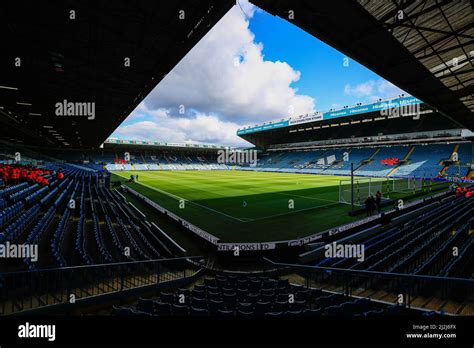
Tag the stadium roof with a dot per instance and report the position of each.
(410, 104)
(358, 125)
(425, 47)
(76, 52)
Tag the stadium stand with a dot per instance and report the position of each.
(421, 161)
(230, 295)
(99, 224)
(419, 246)
(48, 217)
(118, 245)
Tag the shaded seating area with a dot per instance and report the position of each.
(230, 296)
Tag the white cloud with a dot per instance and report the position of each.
(388, 89)
(209, 81)
(365, 89)
(373, 90)
(162, 126)
(218, 95)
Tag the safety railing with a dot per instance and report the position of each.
(26, 290)
(391, 287)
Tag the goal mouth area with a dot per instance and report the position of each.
(388, 187)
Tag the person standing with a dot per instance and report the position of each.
(378, 200)
(367, 205)
(372, 204)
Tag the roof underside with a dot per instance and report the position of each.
(439, 34)
(48, 57)
(364, 125)
(425, 47)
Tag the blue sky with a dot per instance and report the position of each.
(250, 68)
(323, 73)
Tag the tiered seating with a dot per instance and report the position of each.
(17, 196)
(356, 156)
(375, 167)
(96, 231)
(49, 197)
(145, 160)
(100, 242)
(20, 224)
(122, 214)
(12, 189)
(461, 266)
(255, 296)
(465, 160)
(36, 196)
(9, 213)
(36, 232)
(420, 246)
(113, 233)
(445, 249)
(427, 158)
(57, 238)
(424, 161)
(87, 260)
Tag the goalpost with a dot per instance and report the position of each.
(364, 187)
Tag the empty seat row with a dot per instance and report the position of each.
(314, 302)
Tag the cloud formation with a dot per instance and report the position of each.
(224, 82)
(373, 90)
(226, 74)
(160, 125)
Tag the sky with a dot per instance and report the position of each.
(250, 68)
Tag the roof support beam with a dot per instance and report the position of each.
(432, 30)
(452, 48)
(456, 73)
(395, 11)
(414, 16)
(444, 37)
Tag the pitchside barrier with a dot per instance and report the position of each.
(367, 186)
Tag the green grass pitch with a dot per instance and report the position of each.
(238, 206)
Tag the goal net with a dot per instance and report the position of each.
(363, 187)
(407, 185)
(389, 187)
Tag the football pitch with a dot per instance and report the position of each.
(242, 206)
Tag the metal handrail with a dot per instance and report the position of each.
(41, 288)
(190, 258)
(387, 275)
